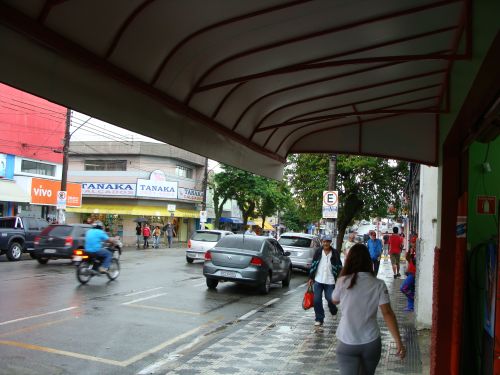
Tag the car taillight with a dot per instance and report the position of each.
(68, 241)
(208, 255)
(37, 240)
(78, 252)
(189, 244)
(256, 261)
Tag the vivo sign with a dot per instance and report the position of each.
(105, 188)
(157, 189)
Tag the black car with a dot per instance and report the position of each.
(17, 235)
(58, 241)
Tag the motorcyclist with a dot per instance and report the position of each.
(94, 239)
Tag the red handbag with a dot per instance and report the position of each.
(308, 300)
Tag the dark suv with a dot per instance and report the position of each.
(59, 240)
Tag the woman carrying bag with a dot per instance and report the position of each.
(359, 347)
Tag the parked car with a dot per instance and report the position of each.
(244, 259)
(58, 241)
(201, 241)
(17, 235)
(301, 247)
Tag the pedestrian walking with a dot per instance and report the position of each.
(395, 247)
(325, 268)
(170, 233)
(359, 343)
(386, 245)
(146, 232)
(156, 237)
(408, 286)
(375, 248)
(138, 234)
(350, 242)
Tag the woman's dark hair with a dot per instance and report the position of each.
(358, 260)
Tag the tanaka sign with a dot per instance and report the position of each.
(45, 192)
(109, 189)
(157, 189)
(190, 194)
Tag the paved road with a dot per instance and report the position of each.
(157, 310)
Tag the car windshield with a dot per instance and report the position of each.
(295, 241)
(240, 242)
(206, 236)
(57, 230)
(8, 223)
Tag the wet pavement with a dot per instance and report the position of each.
(284, 341)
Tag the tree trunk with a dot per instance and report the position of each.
(352, 206)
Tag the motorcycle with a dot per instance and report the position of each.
(87, 264)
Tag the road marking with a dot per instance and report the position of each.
(248, 314)
(33, 327)
(167, 309)
(37, 316)
(62, 352)
(163, 345)
(144, 298)
(294, 290)
(143, 291)
(269, 303)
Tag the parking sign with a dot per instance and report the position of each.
(330, 204)
(61, 200)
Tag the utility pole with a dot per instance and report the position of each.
(64, 176)
(332, 183)
(204, 186)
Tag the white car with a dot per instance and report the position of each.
(201, 241)
(301, 247)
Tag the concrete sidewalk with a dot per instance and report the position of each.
(281, 339)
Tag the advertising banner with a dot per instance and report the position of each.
(156, 189)
(109, 189)
(190, 194)
(45, 192)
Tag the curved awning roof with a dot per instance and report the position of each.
(246, 82)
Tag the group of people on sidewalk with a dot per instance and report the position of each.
(354, 286)
(144, 233)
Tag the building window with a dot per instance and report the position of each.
(105, 165)
(183, 172)
(35, 167)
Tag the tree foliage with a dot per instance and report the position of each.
(366, 185)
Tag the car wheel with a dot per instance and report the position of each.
(288, 277)
(42, 260)
(212, 283)
(266, 285)
(189, 260)
(15, 251)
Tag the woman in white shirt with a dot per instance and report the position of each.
(359, 294)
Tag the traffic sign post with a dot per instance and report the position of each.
(61, 200)
(330, 204)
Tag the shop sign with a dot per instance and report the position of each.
(105, 188)
(156, 189)
(190, 194)
(45, 192)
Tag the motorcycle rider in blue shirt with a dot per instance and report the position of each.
(94, 239)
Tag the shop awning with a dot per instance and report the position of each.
(233, 220)
(267, 226)
(133, 210)
(12, 192)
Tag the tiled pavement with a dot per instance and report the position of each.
(281, 340)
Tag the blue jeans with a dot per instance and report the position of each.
(106, 257)
(156, 241)
(319, 289)
(408, 289)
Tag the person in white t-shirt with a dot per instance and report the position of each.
(360, 294)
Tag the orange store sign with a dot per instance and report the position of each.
(45, 192)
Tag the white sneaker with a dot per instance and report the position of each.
(318, 324)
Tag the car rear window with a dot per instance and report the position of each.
(295, 241)
(243, 242)
(7, 223)
(57, 231)
(206, 236)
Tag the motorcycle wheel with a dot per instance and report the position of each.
(83, 272)
(114, 269)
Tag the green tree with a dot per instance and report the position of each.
(274, 196)
(220, 194)
(366, 186)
